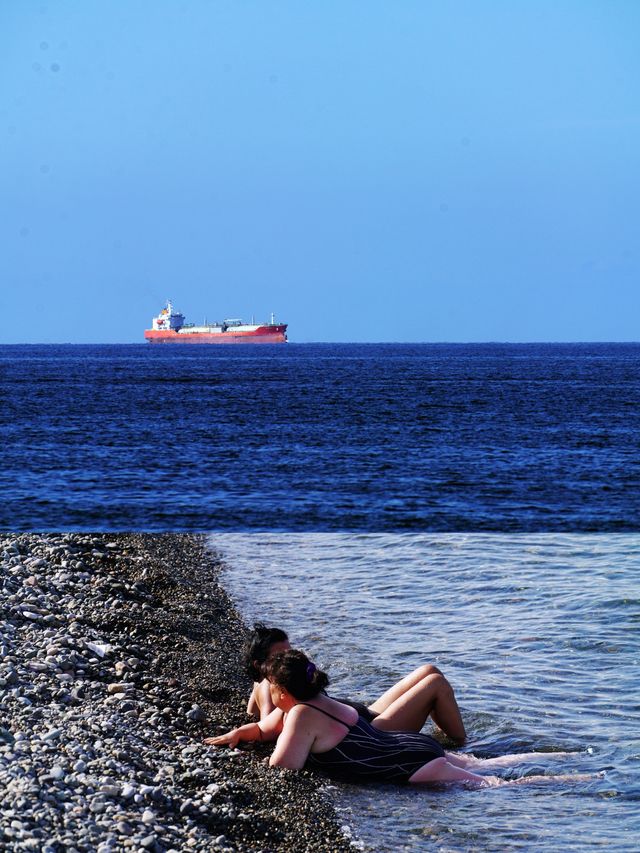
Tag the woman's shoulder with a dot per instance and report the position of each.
(326, 711)
(306, 715)
(300, 711)
(345, 713)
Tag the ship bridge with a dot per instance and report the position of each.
(168, 319)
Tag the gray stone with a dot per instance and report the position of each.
(197, 714)
(52, 734)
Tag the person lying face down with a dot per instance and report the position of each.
(406, 706)
(317, 732)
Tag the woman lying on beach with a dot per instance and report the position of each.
(406, 706)
(317, 732)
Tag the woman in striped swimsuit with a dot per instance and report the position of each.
(321, 733)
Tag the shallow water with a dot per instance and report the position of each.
(540, 636)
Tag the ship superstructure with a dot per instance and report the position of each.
(170, 327)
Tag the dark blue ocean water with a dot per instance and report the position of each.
(335, 437)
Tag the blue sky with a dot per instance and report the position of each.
(370, 171)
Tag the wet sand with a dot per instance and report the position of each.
(118, 654)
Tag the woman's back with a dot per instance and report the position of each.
(365, 752)
(328, 720)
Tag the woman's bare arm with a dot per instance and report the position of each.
(266, 730)
(295, 741)
(263, 699)
(253, 706)
(260, 704)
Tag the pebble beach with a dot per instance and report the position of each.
(118, 654)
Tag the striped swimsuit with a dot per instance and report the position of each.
(369, 754)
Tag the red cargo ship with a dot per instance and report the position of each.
(169, 328)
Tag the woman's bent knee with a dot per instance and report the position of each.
(427, 669)
(437, 683)
(430, 772)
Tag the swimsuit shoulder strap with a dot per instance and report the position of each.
(326, 713)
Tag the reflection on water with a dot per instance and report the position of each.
(537, 633)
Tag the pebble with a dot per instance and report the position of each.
(98, 649)
(197, 714)
(110, 790)
(52, 734)
(118, 688)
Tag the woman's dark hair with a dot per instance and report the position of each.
(296, 673)
(258, 647)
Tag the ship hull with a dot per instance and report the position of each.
(261, 335)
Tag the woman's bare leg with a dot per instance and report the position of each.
(571, 778)
(442, 771)
(401, 687)
(471, 761)
(431, 696)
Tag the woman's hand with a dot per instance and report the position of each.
(231, 739)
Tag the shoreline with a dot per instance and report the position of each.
(118, 654)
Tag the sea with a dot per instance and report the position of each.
(539, 635)
(473, 506)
